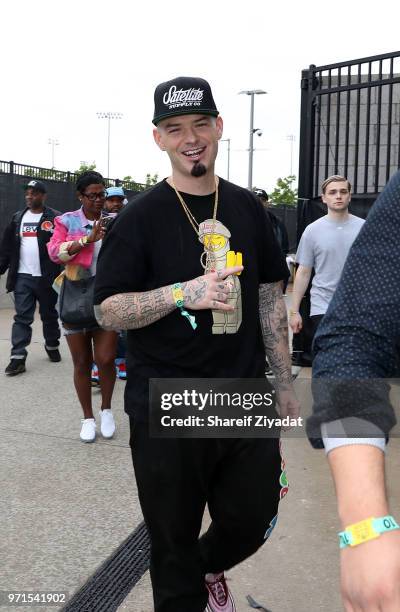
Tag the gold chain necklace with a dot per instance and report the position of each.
(210, 257)
(188, 212)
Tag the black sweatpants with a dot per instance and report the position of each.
(239, 479)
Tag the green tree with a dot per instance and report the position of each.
(284, 192)
(129, 183)
(85, 167)
(151, 180)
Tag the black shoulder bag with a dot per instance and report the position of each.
(76, 302)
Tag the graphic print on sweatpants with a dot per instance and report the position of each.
(283, 481)
(217, 256)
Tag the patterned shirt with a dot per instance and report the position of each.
(357, 345)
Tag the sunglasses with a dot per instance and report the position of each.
(92, 197)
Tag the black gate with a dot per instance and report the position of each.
(350, 125)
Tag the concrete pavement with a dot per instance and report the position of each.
(66, 506)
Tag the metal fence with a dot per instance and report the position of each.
(60, 188)
(350, 124)
(65, 176)
(61, 193)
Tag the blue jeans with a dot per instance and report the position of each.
(27, 292)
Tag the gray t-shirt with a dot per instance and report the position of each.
(324, 246)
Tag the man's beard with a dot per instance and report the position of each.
(198, 169)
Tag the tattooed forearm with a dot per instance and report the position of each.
(134, 310)
(275, 331)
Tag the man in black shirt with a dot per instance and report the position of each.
(279, 228)
(170, 272)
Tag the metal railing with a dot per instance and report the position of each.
(64, 176)
(350, 124)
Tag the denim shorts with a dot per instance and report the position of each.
(80, 330)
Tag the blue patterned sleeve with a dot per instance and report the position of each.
(357, 343)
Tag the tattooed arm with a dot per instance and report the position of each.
(276, 342)
(275, 331)
(135, 310)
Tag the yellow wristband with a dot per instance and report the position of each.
(177, 294)
(292, 312)
(366, 530)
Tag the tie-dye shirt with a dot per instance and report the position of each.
(69, 227)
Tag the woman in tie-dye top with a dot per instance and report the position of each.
(76, 243)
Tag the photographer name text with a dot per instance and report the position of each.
(250, 420)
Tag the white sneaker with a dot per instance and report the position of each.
(88, 430)
(107, 426)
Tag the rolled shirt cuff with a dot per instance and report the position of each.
(63, 254)
(350, 431)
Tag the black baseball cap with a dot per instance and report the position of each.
(183, 96)
(261, 193)
(37, 185)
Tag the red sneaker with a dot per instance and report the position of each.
(219, 597)
(94, 377)
(120, 367)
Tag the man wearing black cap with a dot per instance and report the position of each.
(30, 275)
(171, 272)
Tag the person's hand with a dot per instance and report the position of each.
(210, 290)
(287, 402)
(97, 233)
(296, 322)
(370, 575)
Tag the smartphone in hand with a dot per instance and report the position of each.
(105, 220)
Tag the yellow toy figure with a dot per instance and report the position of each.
(217, 256)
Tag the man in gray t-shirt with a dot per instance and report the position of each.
(324, 247)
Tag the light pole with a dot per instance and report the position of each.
(291, 138)
(54, 143)
(108, 115)
(228, 140)
(252, 93)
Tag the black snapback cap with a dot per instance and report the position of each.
(37, 185)
(183, 96)
(261, 193)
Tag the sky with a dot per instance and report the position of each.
(63, 62)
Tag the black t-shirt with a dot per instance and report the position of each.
(151, 245)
